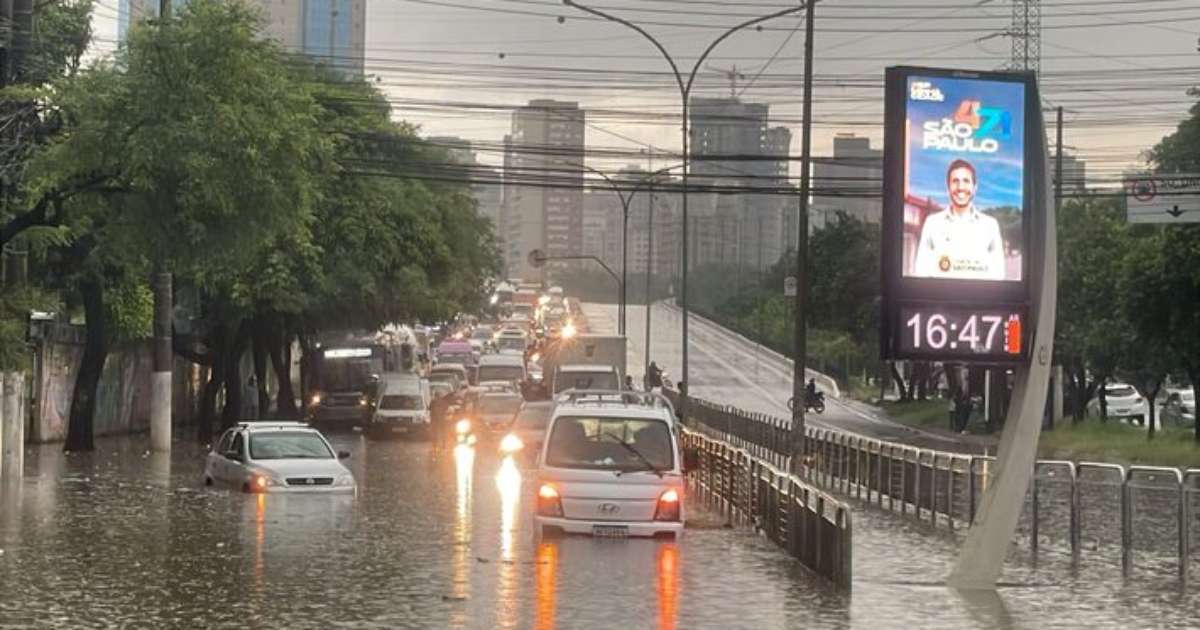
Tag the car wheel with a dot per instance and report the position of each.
(246, 487)
(208, 481)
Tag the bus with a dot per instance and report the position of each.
(346, 367)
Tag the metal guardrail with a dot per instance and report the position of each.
(1086, 505)
(813, 526)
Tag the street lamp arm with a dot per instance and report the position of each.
(648, 36)
(700, 61)
(612, 273)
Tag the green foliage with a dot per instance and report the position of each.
(1119, 443)
(130, 311)
(15, 305)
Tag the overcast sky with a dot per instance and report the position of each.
(456, 67)
(1121, 68)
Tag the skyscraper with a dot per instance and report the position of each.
(544, 184)
(332, 32)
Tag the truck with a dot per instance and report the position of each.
(584, 349)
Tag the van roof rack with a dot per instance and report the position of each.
(623, 397)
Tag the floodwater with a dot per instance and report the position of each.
(442, 539)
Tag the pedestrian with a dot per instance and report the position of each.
(250, 399)
(629, 383)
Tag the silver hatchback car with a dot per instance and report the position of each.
(277, 457)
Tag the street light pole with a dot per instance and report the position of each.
(685, 90)
(800, 348)
(623, 301)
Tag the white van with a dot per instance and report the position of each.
(401, 406)
(611, 465)
(501, 367)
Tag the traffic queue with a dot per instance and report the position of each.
(529, 381)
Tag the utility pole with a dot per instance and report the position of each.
(162, 285)
(799, 348)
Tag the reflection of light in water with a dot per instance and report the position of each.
(668, 586)
(545, 583)
(464, 464)
(260, 524)
(508, 480)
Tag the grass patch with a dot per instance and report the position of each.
(922, 413)
(1119, 443)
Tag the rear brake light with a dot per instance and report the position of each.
(548, 501)
(668, 506)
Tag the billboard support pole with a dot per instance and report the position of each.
(982, 555)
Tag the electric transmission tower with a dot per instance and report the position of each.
(1026, 34)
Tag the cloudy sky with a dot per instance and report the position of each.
(457, 67)
(1120, 68)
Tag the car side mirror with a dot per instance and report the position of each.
(691, 459)
(343, 454)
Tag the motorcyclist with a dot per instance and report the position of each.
(810, 390)
(655, 376)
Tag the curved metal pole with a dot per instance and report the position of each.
(684, 93)
(626, 200)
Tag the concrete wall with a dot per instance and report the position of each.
(123, 396)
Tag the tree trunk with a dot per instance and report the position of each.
(1103, 394)
(216, 378)
(1152, 395)
(920, 379)
(259, 344)
(905, 395)
(95, 352)
(279, 347)
(306, 354)
(233, 376)
(1194, 376)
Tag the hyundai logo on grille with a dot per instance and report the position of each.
(608, 508)
(310, 481)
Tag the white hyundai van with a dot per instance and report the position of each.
(402, 406)
(611, 465)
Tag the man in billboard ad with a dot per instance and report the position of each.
(964, 197)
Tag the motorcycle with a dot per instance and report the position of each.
(812, 402)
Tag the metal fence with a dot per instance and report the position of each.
(811, 525)
(1148, 513)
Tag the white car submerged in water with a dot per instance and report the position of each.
(277, 457)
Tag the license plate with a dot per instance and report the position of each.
(399, 429)
(610, 531)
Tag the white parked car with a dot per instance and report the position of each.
(611, 465)
(277, 457)
(1124, 402)
(1179, 405)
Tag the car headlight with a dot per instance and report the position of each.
(511, 444)
(462, 426)
(316, 399)
(345, 481)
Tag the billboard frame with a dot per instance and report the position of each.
(985, 295)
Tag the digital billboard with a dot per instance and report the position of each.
(964, 186)
(959, 151)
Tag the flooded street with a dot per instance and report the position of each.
(442, 539)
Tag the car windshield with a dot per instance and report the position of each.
(610, 444)
(586, 380)
(534, 418)
(500, 373)
(1121, 391)
(481, 334)
(510, 343)
(289, 445)
(499, 404)
(399, 402)
(454, 357)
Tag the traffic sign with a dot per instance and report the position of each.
(789, 286)
(1163, 198)
(537, 258)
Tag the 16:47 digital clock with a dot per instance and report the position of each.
(927, 331)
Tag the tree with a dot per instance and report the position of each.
(1178, 287)
(1090, 326)
(197, 138)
